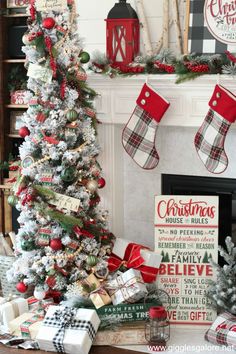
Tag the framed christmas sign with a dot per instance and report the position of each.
(210, 26)
(186, 234)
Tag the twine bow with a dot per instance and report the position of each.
(133, 259)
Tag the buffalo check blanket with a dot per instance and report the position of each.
(223, 330)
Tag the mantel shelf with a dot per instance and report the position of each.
(188, 101)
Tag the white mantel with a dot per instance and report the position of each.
(189, 100)
(129, 193)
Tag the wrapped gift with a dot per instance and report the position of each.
(39, 306)
(68, 330)
(98, 294)
(133, 255)
(128, 287)
(12, 309)
(26, 325)
(223, 330)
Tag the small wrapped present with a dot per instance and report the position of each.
(223, 330)
(128, 287)
(97, 293)
(39, 306)
(12, 309)
(68, 330)
(26, 325)
(132, 255)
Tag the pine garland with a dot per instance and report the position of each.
(188, 67)
(222, 292)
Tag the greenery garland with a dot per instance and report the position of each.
(188, 67)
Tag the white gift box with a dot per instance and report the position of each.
(69, 329)
(9, 310)
(128, 287)
(152, 259)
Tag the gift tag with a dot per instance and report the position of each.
(46, 177)
(47, 5)
(40, 72)
(64, 202)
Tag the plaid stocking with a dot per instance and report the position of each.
(210, 138)
(139, 134)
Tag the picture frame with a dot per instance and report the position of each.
(15, 122)
(207, 27)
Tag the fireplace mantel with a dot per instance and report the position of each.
(189, 100)
(115, 104)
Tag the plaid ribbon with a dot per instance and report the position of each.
(223, 330)
(65, 319)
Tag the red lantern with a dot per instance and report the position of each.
(122, 33)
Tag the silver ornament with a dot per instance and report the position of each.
(92, 185)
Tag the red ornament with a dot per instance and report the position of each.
(23, 132)
(21, 287)
(56, 244)
(49, 23)
(101, 182)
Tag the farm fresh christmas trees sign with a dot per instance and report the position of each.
(186, 234)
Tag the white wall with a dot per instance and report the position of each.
(177, 156)
(92, 25)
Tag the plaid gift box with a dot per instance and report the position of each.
(68, 330)
(128, 287)
(223, 330)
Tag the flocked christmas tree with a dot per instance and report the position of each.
(222, 292)
(63, 234)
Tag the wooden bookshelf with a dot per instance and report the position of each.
(8, 141)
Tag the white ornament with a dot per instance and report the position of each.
(39, 294)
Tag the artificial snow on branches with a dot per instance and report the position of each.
(58, 190)
(222, 292)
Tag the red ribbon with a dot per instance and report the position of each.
(53, 65)
(82, 232)
(133, 259)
